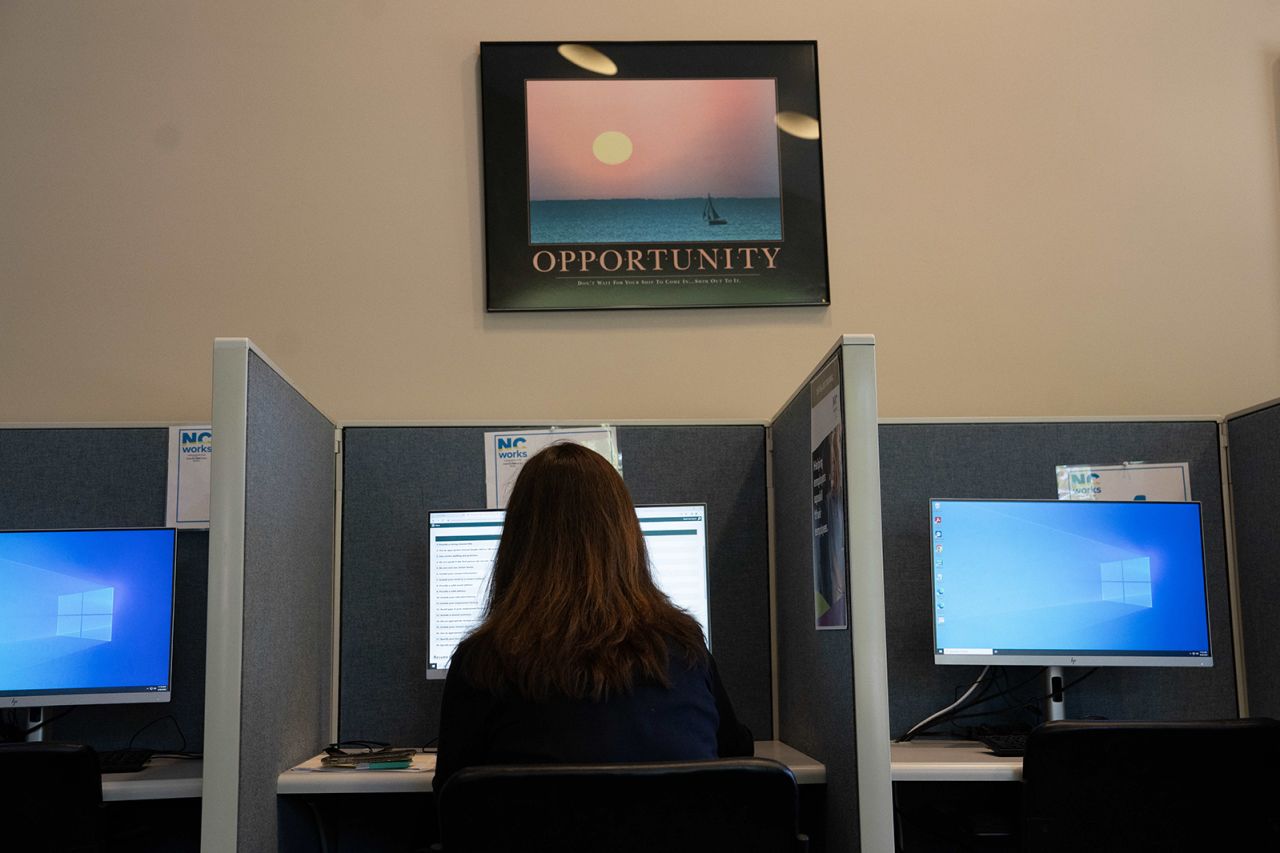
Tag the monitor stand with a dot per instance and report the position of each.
(1054, 700)
(35, 716)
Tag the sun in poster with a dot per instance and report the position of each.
(612, 148)
(653, 161)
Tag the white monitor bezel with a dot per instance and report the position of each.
(110, 695)
(1064, 658)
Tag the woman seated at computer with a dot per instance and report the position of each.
(580, 657)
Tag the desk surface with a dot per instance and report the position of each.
(308, 778)
(161, 779)
(950, 761)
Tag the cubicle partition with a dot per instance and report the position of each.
(114, 476)
(1254, 450)
(393, 476)
(271, 566)
(831, 682)
(270, 594)
(924, 460)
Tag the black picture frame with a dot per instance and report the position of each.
(554, 240)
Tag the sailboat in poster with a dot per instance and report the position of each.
(709, 213)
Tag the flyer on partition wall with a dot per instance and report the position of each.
(506, 452)
(1128, 481)
(826, 440)
(190, 461)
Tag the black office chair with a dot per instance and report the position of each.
(1133, 786)
(745, 805)
(51, 797)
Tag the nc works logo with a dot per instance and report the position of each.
(512, 448)
(196, 441)
(1085, 484)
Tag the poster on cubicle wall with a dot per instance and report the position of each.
(190, 462)
(1128, 481)
(506, 452)
(826, 441)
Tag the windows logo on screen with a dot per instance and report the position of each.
(1127, 581)
(87, 614)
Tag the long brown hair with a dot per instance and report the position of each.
(573, 610)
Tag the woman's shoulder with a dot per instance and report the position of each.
(465, 683)
(461, 665)
(691, 644)
(691, 658)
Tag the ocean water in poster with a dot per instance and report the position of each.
(644, 220)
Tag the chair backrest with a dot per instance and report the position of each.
(51, 796)
(747, 804)
(1100, 786)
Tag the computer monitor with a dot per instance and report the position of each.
(462, 546)
(1068, 583)
(86, 616)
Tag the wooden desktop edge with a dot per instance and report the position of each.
(301, 780)
(161, 779)
(950, 761)
(918, 761)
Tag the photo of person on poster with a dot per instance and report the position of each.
(830, 583)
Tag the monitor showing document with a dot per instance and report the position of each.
(462, 546)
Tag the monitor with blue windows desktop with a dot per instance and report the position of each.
(86, 616)
(462, 546)
(1068, 583)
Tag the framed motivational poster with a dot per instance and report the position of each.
(652, 175)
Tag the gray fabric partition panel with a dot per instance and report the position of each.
(1017, 461)
(815, 668)
(1254, 443)
(393, 476)
(83, 477)
(114, 477)
(288, 594)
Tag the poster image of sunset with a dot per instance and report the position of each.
(653, 161)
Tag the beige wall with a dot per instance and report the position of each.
(1039, 208)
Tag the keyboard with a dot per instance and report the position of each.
(1006, 746)
(123, 760)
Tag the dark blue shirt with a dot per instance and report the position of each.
(691, 719)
